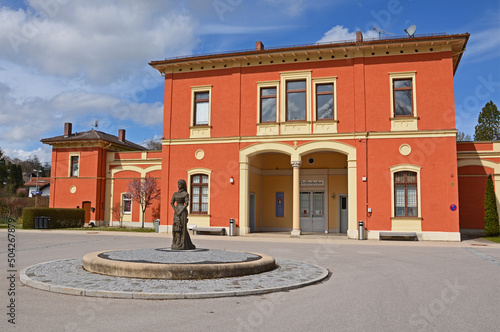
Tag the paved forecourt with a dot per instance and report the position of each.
(70, 276)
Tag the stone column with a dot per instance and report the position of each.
(296, 198)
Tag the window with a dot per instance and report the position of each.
(268, 104)
(296, 100)
(74, 165)
(403, 101)
(127, 203)
(199, 194)
(201, 101)
(324, 101)
(201, 97)
(405, 194)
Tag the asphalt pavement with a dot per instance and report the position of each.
(374, 286)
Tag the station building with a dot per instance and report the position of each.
(300, 139)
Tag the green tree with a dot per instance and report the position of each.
(488, 123)
(3, 170)
(491, 225)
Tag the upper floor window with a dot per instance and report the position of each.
(127, 203)
(268, 104)
(296, 100)
(202, 104)
(403, 97)
(405, 194)
(324, 101)
(199, 194)
(74, 165)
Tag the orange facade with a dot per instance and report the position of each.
(308, 139)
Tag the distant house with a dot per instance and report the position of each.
(41, 184)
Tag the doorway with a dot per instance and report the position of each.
(343, 213)
(86, 206)
(312, 211)
(252, 209)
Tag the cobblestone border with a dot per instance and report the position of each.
(68, 277)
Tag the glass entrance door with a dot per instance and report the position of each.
(312, 212)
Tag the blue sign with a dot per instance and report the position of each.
(280, 204)
(36, 193)
(453, 207)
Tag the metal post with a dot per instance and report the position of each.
(361, 225)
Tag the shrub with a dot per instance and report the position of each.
(491, 226)
(59, 218)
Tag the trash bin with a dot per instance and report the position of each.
(44, 222)
(232, 227)
(36, 223)
(157, 225)
(361, 230)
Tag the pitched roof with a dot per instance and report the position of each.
(42, 182)
(92, 135)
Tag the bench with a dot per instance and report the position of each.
(398, 236)
(197, 229)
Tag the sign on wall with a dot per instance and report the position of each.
(312, 182)
(280, 204)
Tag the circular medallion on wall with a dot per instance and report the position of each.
(72, 189)
(405, 149)
(199, 154)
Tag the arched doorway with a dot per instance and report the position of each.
(297, 188)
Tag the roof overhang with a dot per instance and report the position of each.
(441, 42)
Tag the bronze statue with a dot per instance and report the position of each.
(181, 239)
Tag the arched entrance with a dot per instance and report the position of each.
(297, 188)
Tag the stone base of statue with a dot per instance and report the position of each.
(177, 264)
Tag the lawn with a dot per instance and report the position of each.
(493, 238)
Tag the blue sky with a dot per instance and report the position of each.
(81, 61)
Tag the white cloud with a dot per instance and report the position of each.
(44, 154)
(103, 42)
(340, 33)
(292, 8)
(483, 45)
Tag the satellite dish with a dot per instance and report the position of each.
(411, 31)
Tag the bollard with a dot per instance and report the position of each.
(361, 230)
(232, 227)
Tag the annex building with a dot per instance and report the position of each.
(299, 139)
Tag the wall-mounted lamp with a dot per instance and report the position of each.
(231, 180)
(333, 195)
(92, 209)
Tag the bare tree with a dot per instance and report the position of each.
(118, 212)
(153, 144)
(144, 191)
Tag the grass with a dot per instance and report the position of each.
(493, 238)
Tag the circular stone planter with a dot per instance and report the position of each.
(177, 265)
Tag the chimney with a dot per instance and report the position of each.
(121, 135)
(67, 129)
(259, 46)
(359, 36)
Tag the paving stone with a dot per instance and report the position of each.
(67, 276)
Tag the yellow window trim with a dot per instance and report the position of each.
(410, 168)
(204, 171)
(201, 131)
(402, 123)
(73, 154)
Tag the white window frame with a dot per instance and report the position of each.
(70, 170)
(404, 123)
(324, 126)
(295, 127)
(123, 205)
(268, 128)
(200, 130)
(201, 220)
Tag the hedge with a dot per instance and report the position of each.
(59, 218)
